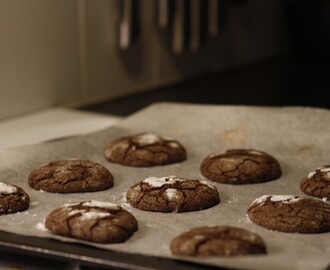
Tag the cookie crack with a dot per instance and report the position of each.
(184, 203)
(222, 172)
(110, 218)
(169, 201)
(199, 244)
(68, 219)
(251, 160)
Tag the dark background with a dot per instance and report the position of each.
(299, 79)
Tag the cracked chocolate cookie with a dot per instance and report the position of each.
(217, 241)
(317, 183)
(172, 194)
(95, 221)
(70, 175)
(241, 166)
(145, 150)
(12, 199)
(287, 213)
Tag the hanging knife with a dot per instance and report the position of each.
(163, 13)
(213, 18)
(195, 25)
(178, 26)
(126, 23)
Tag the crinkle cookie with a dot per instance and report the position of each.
(145, 150)
(95, 221)
(172, 194)
(241, 166)
(12, 199)
(317, 183)
(217, 241)
(288, 213)
(71, 175)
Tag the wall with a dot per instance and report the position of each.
(60, 52)
(38, 55)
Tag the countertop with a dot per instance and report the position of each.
(276, 82)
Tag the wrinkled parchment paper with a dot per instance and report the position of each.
(298, 137)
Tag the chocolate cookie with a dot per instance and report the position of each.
(241, 166)
(145, 150)
(12, 199)
(71, 175)
(172, 194)
(95, 221)
(217, 241)
(317, 183)
(287, 213)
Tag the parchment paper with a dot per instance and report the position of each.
(298, 137)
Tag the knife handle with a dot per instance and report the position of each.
(179, 15)
(213, 26)
(128, 23)
(163, 13)
(195, 25)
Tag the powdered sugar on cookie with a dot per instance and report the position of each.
(311, 174)
(279, 198)
(207, 184)
(7, 189)
(100, 204)
(261, 199)
(171, 193)
(146, 139)
(174, 144)
(68, 205)
(94, 215)
(327, 171)
(276, 198)
(75, 212)
(92, 204)
(160, 181)
(254, 152)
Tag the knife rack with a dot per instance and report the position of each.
(186, 23)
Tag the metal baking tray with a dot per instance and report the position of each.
(89, 256)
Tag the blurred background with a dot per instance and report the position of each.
(72, 67)
(117, 56)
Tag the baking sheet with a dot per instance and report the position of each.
(297, 137)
